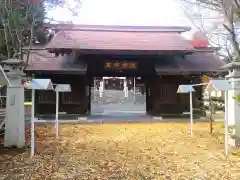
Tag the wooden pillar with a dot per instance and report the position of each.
(154, 99)
(89, 99)
(85, 96)
(147, 99)
(149, 96)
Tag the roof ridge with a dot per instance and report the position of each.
(119, 27)
(120, 30)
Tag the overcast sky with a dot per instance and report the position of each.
(125, 12)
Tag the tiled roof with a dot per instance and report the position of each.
(196, 62)
(42, 60)
(119, 40)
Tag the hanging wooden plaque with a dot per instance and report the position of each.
(124, 65)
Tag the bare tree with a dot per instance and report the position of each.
(218, 20)
(223, 15)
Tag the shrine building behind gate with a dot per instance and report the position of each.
(161, 56)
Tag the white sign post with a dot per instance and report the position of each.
(101, 87)
(37, 84)
(222, 85)
(134, 89)
(188, 89)
(59, 88)
(125, 88)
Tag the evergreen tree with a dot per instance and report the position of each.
(22, 24)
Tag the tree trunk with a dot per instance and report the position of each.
(30, 41)
(9, 51)
(211, 115)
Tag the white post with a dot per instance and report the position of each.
(94, 84)
(94, 89)
(191, 113)
(32, 124)
(101, 89)
(103, 84)
(226, 122)
(134, 89)
(125, 88)
(57, 120)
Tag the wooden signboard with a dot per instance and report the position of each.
(124, 65)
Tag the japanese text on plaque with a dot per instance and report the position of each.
(120, 65)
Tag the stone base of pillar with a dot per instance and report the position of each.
(15, 123)
(14, 135)
(233, 110)
(234, 141)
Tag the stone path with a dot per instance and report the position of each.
(117, 97)
(114, 103)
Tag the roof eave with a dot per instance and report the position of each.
(117, 51)
(207, 49)
(32, 70)
(187, 72)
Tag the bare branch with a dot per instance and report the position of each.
(30, 40)
(230, 10)
(237, 3)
